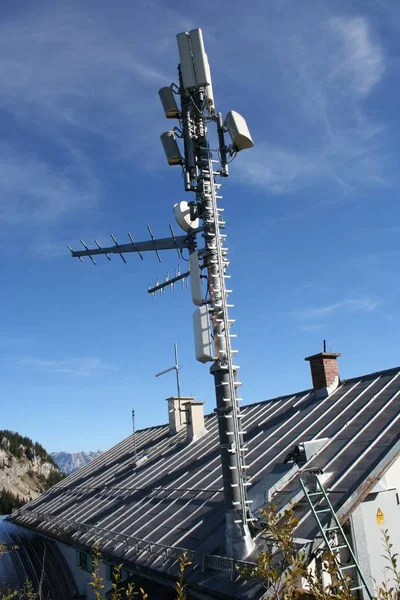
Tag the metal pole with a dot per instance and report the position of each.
(177, 369)
(177, 382)
(134, 433)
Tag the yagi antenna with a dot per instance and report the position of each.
(177, 367)
(175, 242)
(169, 282)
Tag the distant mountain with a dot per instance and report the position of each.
(68, 463)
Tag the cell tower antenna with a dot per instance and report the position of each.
(191, 103)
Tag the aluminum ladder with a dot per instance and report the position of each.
(320, 504)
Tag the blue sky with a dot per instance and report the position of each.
(312, 210)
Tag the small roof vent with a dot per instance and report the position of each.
(140, 460)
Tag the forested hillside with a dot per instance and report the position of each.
(26, 470)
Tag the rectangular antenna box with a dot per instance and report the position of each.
(201, 66)
(195, 279)
(202, 335)
(193, 59)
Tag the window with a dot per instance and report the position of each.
(84, 561)
(110, 573)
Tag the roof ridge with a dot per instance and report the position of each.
(276, 398)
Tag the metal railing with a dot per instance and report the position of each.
(103, 537)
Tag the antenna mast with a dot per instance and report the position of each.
(177, 367)
(197, 110)
(201, 215)
(134, 434)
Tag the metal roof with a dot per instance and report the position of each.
(174, 499)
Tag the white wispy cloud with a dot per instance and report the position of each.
(85, 89)
(68, 73)
(323, 81)
(77, 89)
(362, 305)
(84, 366)
(361, 61)
(275, 168)
(35, 191)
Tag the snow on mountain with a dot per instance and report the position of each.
(68, 463)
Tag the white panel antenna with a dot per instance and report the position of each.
(195, 279)
(209, 91)
(171, 148)
(168, 101)
(202, 335)
(186, 61)
(195, 69)
(238, 130)
(201, 67)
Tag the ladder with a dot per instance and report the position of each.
(320, 504)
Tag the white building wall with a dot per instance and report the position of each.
(82, 577)
(392, 476)
(380, 511)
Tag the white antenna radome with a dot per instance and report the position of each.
(193, 59)
(183, 218)
(200, 60)
(202, 335)
(171, 148)
(186, 61)
(168, 101)
(195, 279)
(238, 130)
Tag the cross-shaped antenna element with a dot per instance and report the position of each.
(177, 367)
(173, 237)
(86, 248)
(116, 243)
(134, 245)
(100, 248)
(154, 242)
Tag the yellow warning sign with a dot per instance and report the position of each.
(380, 519)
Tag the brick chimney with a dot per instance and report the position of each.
(177, 413)
(324, 372)
(194, 419)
